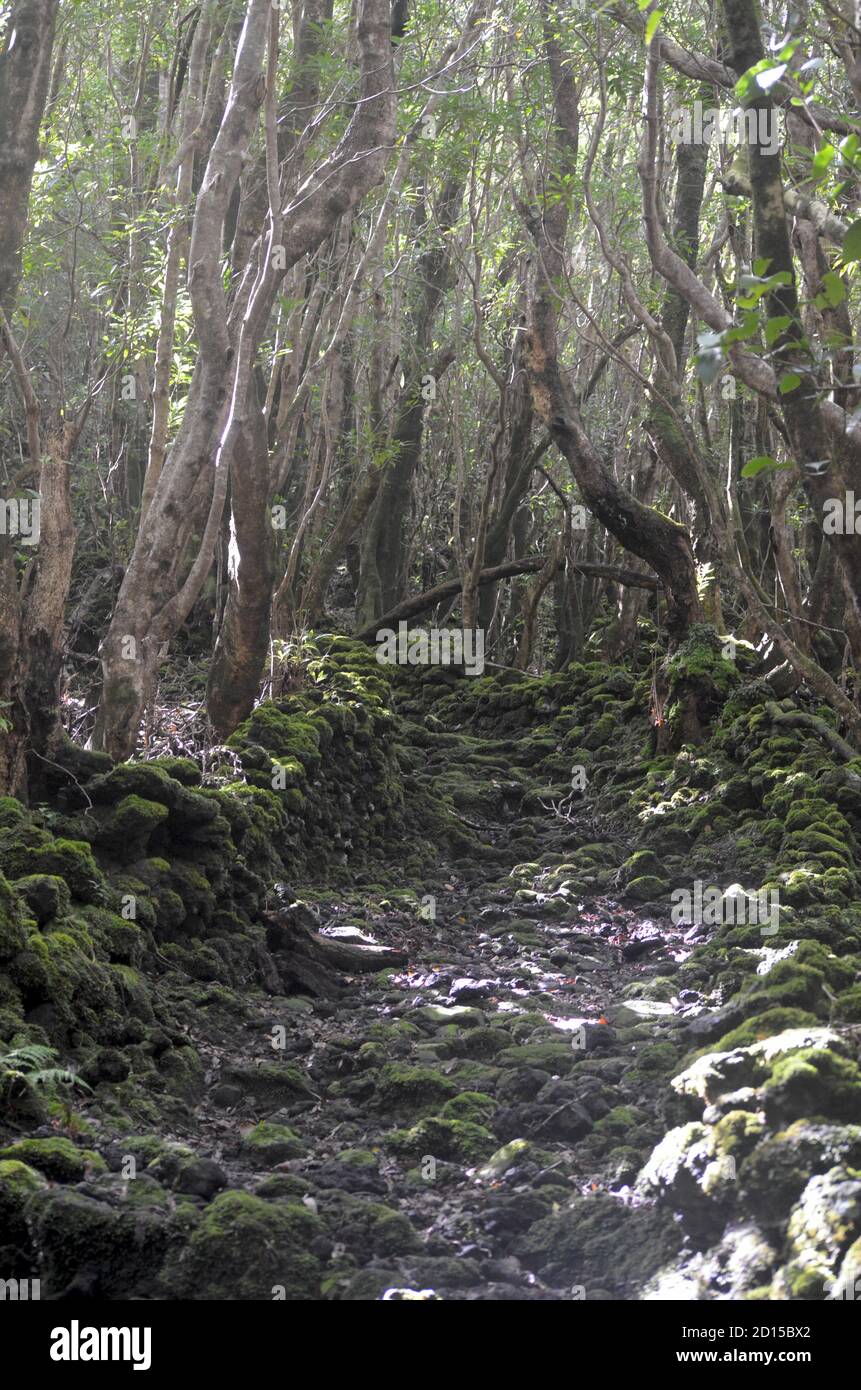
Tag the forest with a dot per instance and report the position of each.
(430, 434)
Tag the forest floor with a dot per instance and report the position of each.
(503, 998)
(559, 1089)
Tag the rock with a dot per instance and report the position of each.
(18, 1182)
(267, 1145)
(773, 1177)
(825, 1222)
(272, 1083)
(201, 1177)
(46, 895)
(742, 1260)
(465, 991)
(118, 1249)
(715, 1073)
(440, 1014)
(506, 1157)
(245, 1248)
(597, 1242)
(58, 1159)
(635, 1011)
(226, 1097)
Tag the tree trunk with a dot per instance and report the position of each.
(25, 73)
(157, 592)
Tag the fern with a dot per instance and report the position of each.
(30, 1065)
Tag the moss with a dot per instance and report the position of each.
(271, 1083)
(271, 1144)
(46, 895)
(277, 731)
(245, 1248)
(359, 1158)
(620, 1122)
(788, 985)
(182, 1072)
(813, 1082)
(469, 1105)
(18, 1182)
(40, 853)
(644, 862)
(12, 813)
(120, 1248)
(764, 1025)
(774, 1175)
(146, 780)
(847, 1006)
(410, 1090)
(543, 1056)
(180, 769)
(13, 935)
(121, 940)
(455, 1141)
(58, 1159)
(647, 888)
(509, 1156)
(657, 1059)
(130, 825)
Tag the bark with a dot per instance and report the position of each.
(530, 608)
(351, 519)
(25, 74)
(157, 593)
(308, 961)
(32, 612)
(243, 638)
(422, 603)
(383, 559)
(808, 434)
(177, 249)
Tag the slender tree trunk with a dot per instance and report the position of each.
(158, 590)
(25, 74)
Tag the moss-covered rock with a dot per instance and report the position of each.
(18, 1182)
(46, 895)
(58, 1159)
(267, 1145)
(245, 1248)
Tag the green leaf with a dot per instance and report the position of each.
(833, 289)
(762, 464)
(774, 327)
(821, 161)
(788, 383)
(652, 24)
(852, 242)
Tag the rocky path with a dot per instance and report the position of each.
(437, 1118)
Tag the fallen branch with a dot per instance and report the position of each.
(308, 961)
(796, 719)
(420, 603)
